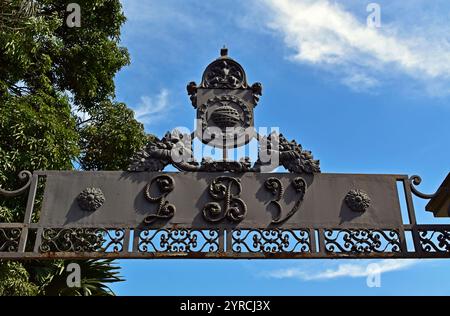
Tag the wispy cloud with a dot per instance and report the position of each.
(153, 108)
(323, 33)
(359, 81)
(353, 270)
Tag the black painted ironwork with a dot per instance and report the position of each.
(414, 181)
(23, 176)
(221, 238)
(275, 186)
(9, 239)
(90, 199)
(355, 241)
(165, 210)
(271, 241)
(233, 208)
(224, 208)
(81, 240)
(435, 240)
(178, 241)
(357, 200)
(225, 104)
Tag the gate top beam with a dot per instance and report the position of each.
(225, 208)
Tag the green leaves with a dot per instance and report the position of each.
(14, 280)
(110, 138)
(36, 132)
(46, 70)
(47, 55)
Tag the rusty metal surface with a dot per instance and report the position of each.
(322, 204)
(123, 215)
(220, 208)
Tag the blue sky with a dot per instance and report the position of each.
(363, 100)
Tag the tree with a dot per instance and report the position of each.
(48, 73)
(111, 137)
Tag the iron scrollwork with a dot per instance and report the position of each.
(415, 181)
(23, 175)
(234, 208)
(435, 240)
(81, 240)
(361, 241)
(275, 186)
(270, 241)
(9, 239)
(166, 210)
(178, 240)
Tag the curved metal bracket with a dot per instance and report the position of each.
(23, 175)
(414, 181)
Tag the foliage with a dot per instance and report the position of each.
(14, 280)
(37, 131)
(96, 274)
(49, 73)
(49, 278)
(110, 138)
(40, 53)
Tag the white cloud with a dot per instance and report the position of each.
(353, 270)
(152, 109)
(325, 34)
(359, 81)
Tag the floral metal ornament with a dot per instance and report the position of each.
(157, 154)
(357, 200)
(291, 155)
(90, 199)
(225, 104)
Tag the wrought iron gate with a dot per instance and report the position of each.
(220, 209)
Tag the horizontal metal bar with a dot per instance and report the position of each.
(292, 227)
(13, 225)
(248, 253)
(225, 255)
(212, 226)
(45, 172)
